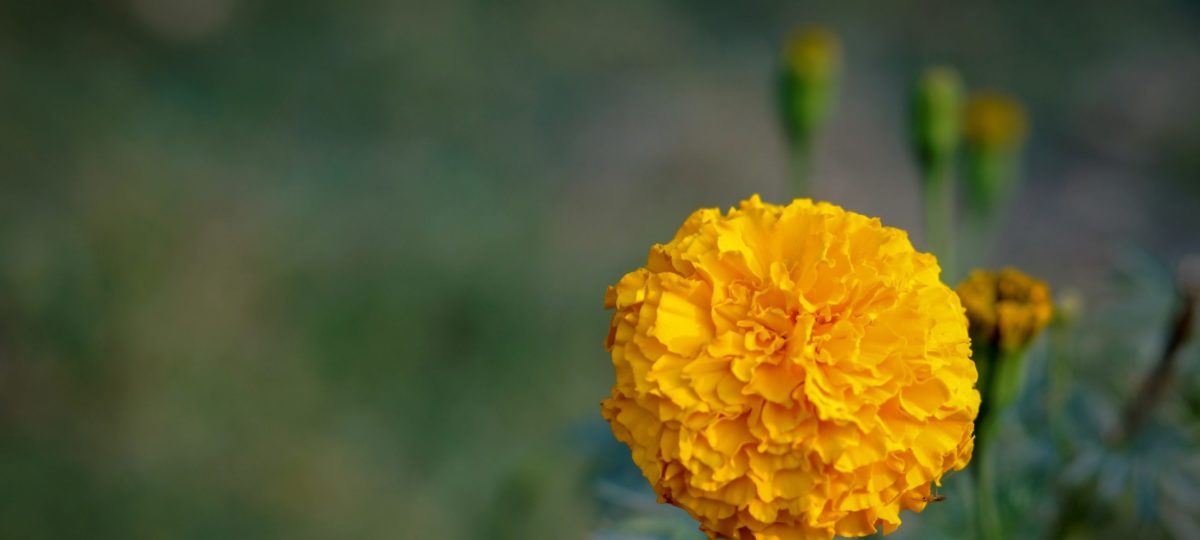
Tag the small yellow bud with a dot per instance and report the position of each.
(813, 53)
(995, 122)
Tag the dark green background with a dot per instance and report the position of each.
(296, 269)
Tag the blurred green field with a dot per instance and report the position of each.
(307, 270)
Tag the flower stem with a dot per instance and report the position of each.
(801, 154)
(987, 512)
(1058, 375)
(1000, 372)
(1157, 381)
(938, 204)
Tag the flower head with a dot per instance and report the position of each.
(1007, 309)
(790, 371)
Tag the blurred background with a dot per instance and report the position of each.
(297, 269)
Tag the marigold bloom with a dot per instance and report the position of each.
(1007, 308)
(791, 372)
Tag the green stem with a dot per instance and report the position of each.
(987, 511)
(1000, 373)
(1009, 373)
(1160, 378)
(979, 228)
(1058, 389)
(991, 182)
(938, 203)
(801, 154)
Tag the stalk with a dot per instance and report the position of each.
(937, 188)
(801, 158)
(1002, 373)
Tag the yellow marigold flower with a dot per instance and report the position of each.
(791, 372)
(1006, 308)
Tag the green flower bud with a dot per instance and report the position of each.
(936, 118)
(809, 72)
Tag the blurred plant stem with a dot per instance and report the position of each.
(1058, 376)
(801, 156)
(1156, 383)
(987, 510)
(935, 132)
(807, 81)
(994, 128)
(991, 181)
(1000, 373)
(937, 186)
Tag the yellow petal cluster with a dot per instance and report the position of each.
(1006, 308)
(789, 372)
